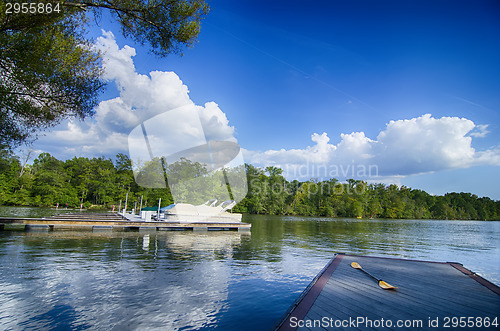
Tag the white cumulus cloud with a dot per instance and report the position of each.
(481, 130)
(425, 144)
(404, 147)
(141, 97)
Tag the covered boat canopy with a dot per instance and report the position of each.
(149, 209)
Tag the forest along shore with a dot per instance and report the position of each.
(102, 183)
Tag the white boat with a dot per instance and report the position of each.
(209, 212)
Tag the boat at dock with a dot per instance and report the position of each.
(207, 212)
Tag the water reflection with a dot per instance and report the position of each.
(115, 280)
(195, 280)
(472, 243)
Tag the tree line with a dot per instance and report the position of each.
(270, 193)
(96, 182)
(102, 182)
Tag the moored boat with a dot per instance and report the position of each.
(209, 212)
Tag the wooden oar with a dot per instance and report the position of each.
(381, 283)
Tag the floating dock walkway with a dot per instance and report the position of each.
(430, 296)
(110, 221)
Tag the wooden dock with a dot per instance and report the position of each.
(430, 296)
(110, 222)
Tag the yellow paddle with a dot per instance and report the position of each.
(381, 283)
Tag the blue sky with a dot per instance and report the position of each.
(315, 85)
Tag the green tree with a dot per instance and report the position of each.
(51, 182)
(275, 194)
(49, 69)
(81, 172)
(254, 200)
(49, 72)
(8, 165)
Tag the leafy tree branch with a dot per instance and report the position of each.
(49, 70)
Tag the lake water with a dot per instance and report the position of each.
(190, 280)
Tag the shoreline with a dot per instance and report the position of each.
(367, 218)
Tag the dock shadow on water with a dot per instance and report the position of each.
(194, 280)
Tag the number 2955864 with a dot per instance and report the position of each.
(32, 8)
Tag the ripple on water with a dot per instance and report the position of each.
(77, 280)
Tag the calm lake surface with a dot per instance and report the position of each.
(189, 280)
